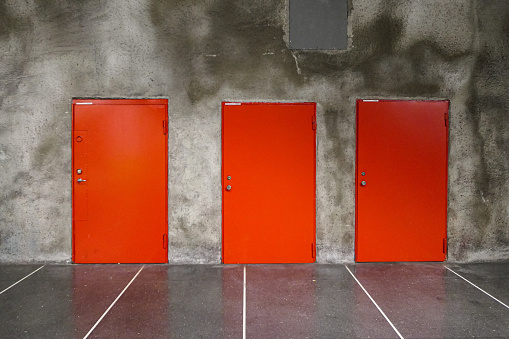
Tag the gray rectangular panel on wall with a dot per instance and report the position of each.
(318, 24)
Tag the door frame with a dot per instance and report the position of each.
(446, 121)
(119, 101)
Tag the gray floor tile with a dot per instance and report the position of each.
(427, 301)
(191, 301)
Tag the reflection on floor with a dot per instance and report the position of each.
(424, 300)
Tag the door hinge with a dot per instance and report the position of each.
(313, 122)
(165, 127)
(446, 118)
(312, 250)
(444, 247)
(165, 241)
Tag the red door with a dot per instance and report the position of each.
(268, 182)
(120, 180)
(401, 180)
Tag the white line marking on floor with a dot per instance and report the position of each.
(244, 307)
(480, 289)
(101, 318)
(386, 318)
(22, 279)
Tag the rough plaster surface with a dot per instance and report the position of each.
(199, 53)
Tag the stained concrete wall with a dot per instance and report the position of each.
(199, 53)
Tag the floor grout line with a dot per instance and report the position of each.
(17, 282)
(244, 307)
(480, 289)
(374, 302)
(106, 312)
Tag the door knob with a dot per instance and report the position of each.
(228, 187)
(81, 180)
(363, 183)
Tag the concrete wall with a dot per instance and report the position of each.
(199, 53)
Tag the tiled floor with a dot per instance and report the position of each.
(281, 301)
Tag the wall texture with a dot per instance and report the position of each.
(198, 53)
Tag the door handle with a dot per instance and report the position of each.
(81, 180)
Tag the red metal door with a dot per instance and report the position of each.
(268, 182)
(120, 196)
(401, 180)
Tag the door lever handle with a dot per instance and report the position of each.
(81, 180)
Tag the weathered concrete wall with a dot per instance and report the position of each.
(199, 53)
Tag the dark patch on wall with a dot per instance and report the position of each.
(5, 234)
(245, 65)
(373, 44)
(181, 48)
(10, 24)
(63, 22)
(488, 107)
(347, 241)
(196, 90)
(379, 37)
(57, 244)
(243, 47)
(11, 195)
(425, 79)
(245, 37)
(421, 51)
(387, 70)
(336, 152)
(15, 191)
(323, 64)
(69, 17)
(22, 176)
(13, 64)
(46, 151)
(48, 154)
